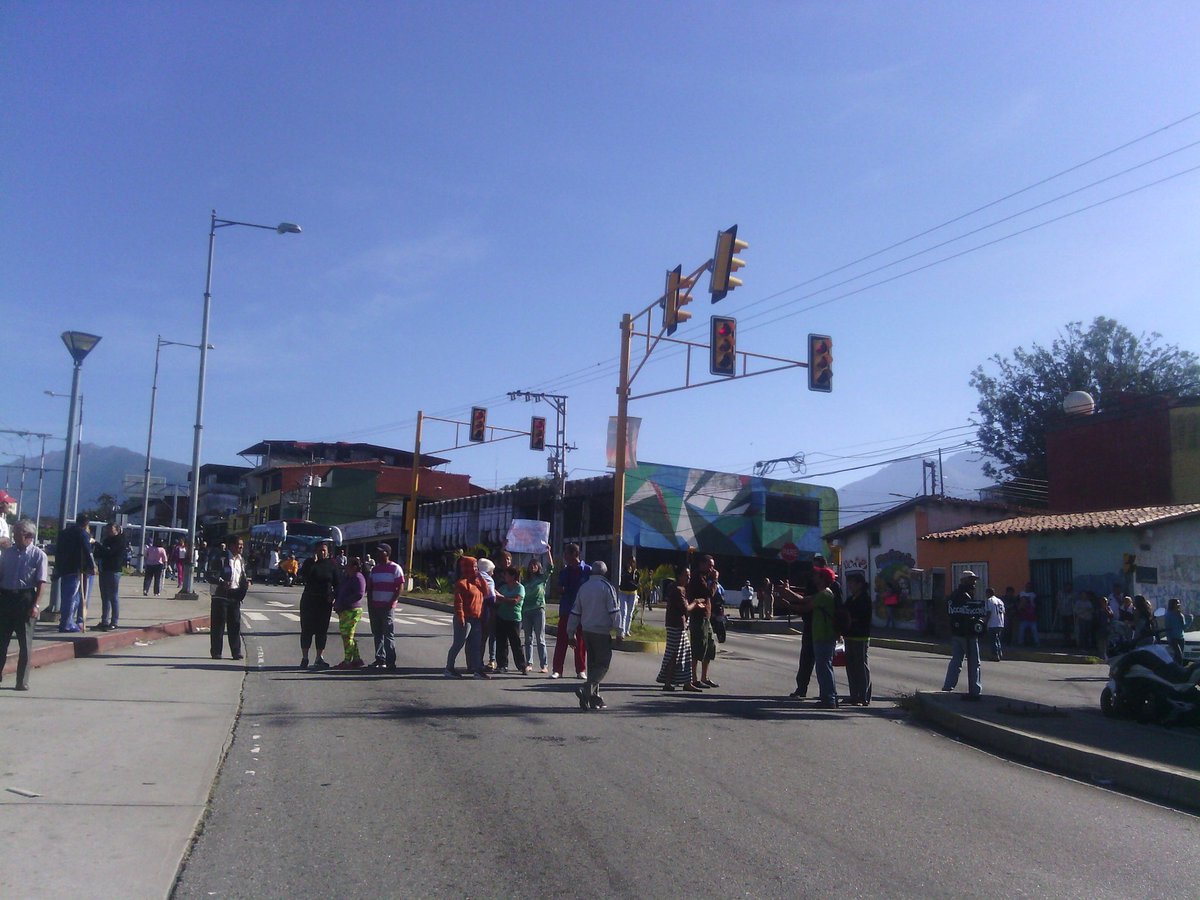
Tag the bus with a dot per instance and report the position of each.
(294, 537)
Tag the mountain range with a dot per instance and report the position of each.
(961, 476)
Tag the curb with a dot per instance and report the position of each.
(1173, 787)
(943, 649)
(640, 646)
(92, 643)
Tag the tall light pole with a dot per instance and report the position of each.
(79, 345)
(159, 344)
(78, 451)
(194, 503)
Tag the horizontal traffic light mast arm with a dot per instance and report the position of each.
(509, 434)
(724, 379)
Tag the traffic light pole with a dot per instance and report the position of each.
(410, 512)
(622, 441)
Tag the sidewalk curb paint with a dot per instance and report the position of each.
(92, 643)
(1173, 787)
(1010, 653)
(640, 646)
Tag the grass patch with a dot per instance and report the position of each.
(639, 632)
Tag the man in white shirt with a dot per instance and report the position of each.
(227, 597)
(6, 502)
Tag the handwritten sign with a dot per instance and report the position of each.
(528, 536)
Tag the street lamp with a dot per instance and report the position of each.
(194, 502)
(79, 345)
(159, 344)
(78, 451)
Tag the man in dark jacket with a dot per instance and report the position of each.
(227, 597)
(968, 620)
(72, 563)
(858, 639)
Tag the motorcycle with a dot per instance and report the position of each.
(1145, 683)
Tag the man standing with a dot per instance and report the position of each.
(227, 597)
(573, 576)
(858, 639)
(596, 613)
(700, 620)
(72, 560)
(385, 586)
(23, 571)
(995, 624)
(968, 618)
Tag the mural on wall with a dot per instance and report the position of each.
(893, 574)
(1180, 579)
(674, 508)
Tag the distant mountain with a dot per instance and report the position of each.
(104, 471)
(893, 483)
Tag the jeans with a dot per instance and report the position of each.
(15, 607)
(468, 633)
(805, 669)
(383, 632)
(823, 660)
(959, 647)
(628, 601)
(599, 651)
(68, 598)
(858, 672)
(534, 622)
(110, 601)
(1025, 628)
(995, 635)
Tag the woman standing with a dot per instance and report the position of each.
(676, 670)
(316, 604)
(533, 613)
(510, 598)
(348, 606)
(178, 559)
(154, 560)
(110, 558)
(468, 608)
(627, 596)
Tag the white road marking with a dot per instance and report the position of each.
(424, 620)
(279, 603)
(292, 616)
(255, 616)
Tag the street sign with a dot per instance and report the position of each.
(789, 552)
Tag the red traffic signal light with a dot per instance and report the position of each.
(722, 347)
(537, 433)
(478, 424)
(725, 263)
(820, 363)
(675, 297)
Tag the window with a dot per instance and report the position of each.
(789, 510)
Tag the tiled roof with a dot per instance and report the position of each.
(1109, 519)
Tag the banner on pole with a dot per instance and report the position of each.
(632, 425)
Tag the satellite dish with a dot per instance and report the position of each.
(1079, 403)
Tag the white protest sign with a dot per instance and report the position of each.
(528, 536)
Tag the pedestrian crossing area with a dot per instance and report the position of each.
(279, 612)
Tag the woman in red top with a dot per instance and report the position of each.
(468, 611)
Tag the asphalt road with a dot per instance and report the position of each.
(412, 785)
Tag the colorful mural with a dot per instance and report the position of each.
(893, 574)
(673, 508)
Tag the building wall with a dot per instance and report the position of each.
(1185, 454)
(1096, 556)
(1007, 558)
(1170, 554)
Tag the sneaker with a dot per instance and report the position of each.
(582, 675)
(597, 702)
(581, 693)
(304, 663)
(544, 670)
(798, 695)
(483, 675)
(527, 670)
(378, 664)
(668, 687)
(709, 684)
(554, 674)
(319, 665)
(103, 626)
(450, 673)
(503, 670)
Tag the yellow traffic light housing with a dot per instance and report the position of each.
(725, 263)
(478, 424)
(722, 347)
(537, 433)
(820, 363)
(675, 297)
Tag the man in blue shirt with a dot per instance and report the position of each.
(573, 575)
(23, 571)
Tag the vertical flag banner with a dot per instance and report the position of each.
(633, 425)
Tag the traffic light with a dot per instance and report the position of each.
(478, 424)
(820, 363)
(724, 264)
(537, 433)
(676, 296)
(722, 346)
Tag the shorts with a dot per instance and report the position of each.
(704, 646)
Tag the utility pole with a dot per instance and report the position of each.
(558, 462)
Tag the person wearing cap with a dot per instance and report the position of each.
(968, 617)
(386, 584)
(596, 613)
(23, 571)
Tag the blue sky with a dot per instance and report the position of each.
(485, 188)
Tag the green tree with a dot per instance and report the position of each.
(1026, 392)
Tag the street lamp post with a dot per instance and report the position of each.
(159, 344)
(77, 471)
(194, 502)
(79, 345)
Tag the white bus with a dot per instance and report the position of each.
(293, 537)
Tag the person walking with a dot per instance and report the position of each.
(858, 639)
(73, 561)
(995, 624)
(574, 574)
(510, 598)
(596, 613)
(178, 558)
(226, 603)
(110, 559)
(24, 569)
(533, 613)
(627, 594)
(676, 669)
(968, 618)
(154, 561)
(386, 586)
(348, 606)
(320, 574)
(468, 610)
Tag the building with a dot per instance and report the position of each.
(752, 525)
(884, 548)
(1154, 551)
